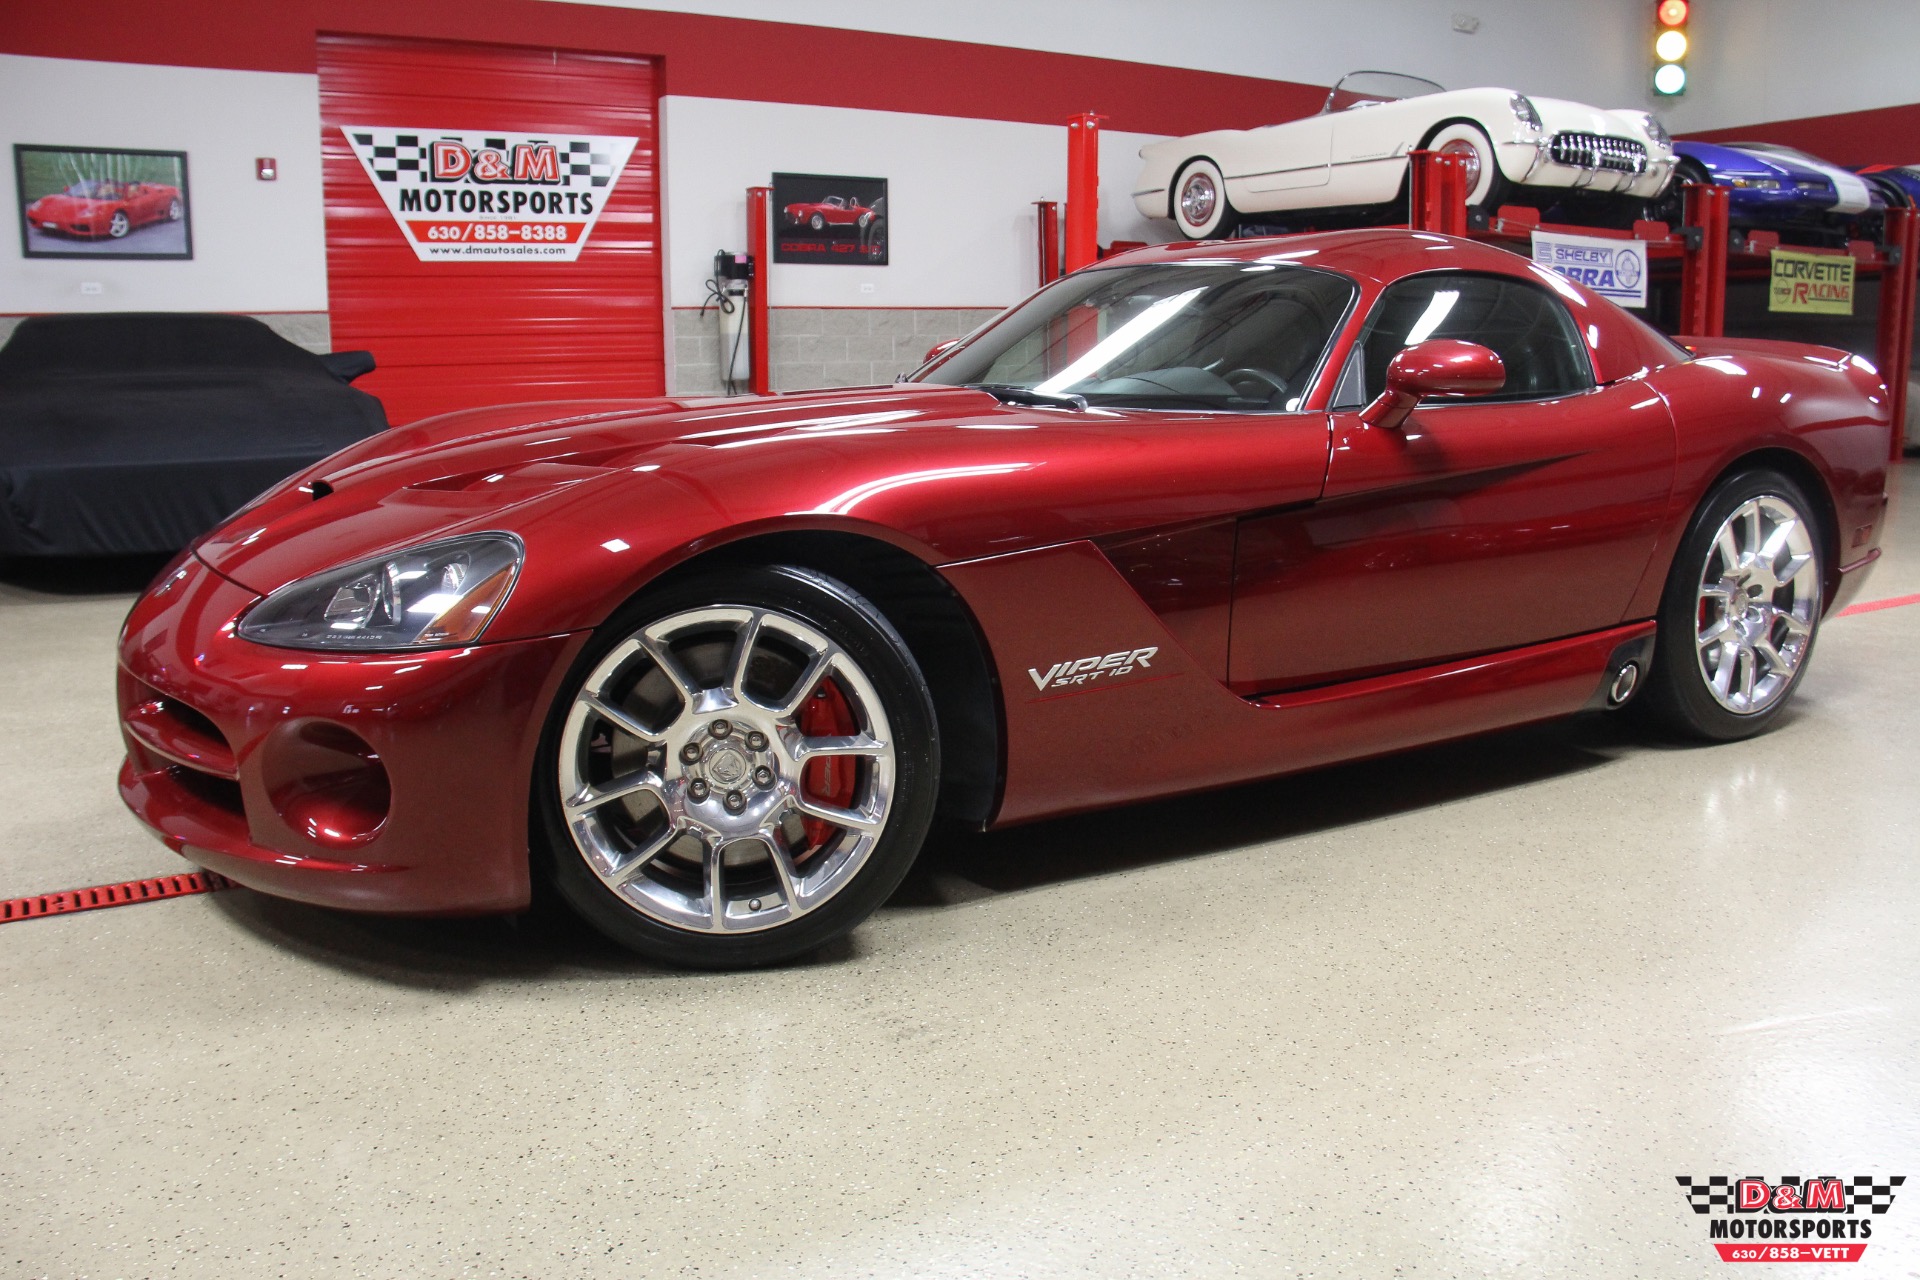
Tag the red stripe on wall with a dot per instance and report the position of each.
(1884, 135)
(704, 56)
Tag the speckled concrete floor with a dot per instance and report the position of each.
(1467, 1011)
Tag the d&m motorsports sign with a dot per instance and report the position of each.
(475, 197)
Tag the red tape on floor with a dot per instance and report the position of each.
(1873, 606)
(162, 887)
(112, 895)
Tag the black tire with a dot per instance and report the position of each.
(1219, 219)
(876, 649)
(1490, 185)
(1670, 206)
(1678, 696)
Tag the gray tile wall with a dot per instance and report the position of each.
(310, 329)
(821, 346)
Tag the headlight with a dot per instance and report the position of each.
(1523, 110)
(1755, 184)
(431, 596)
(1656, 130)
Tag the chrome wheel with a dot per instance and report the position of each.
(118, 226)
(1198, 196)
(1465, 150)
(1759, 599)
(726, 770)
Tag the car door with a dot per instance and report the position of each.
(1481, 525)
(1370, 144)
(1282, 157)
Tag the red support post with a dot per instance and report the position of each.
(1083, 191)
(759, 245)
(1437, 192)
(1719, 205)
(1048, 216)
(1703, 270)
(1895, 352)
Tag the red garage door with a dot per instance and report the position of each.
(493, 229)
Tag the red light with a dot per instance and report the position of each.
(1672, 13)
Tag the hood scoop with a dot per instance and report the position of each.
(536, 473)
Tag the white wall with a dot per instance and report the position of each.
(961, 190)
(960, 215)
(1760, 60)
(1585, 49)
(257, 246)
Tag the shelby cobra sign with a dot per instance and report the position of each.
(468, 197)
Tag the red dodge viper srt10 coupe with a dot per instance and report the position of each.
(94, 208)
(1194, 516)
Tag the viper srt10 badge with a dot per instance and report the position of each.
(477, 197)
(1098, 667)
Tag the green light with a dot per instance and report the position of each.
(1670, 79)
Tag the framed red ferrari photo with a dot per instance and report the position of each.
(85, 202)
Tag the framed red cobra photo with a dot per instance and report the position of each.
(90, 202)
(824, 218)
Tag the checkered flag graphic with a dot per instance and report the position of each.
(407, 155)
(1704, 1197)
(584, 162)
(1865, 1193)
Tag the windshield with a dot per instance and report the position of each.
(94, 189)
(1774, 148)
(1241, 336)
(1363, 88)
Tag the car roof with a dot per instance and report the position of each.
(1373, 254)
(1377, 256)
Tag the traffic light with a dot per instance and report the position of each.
(1670, 47)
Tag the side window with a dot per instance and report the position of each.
(1525, 325)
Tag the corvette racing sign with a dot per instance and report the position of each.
(476, 197)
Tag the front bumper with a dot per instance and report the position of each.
(1531, 163)
(377, 782)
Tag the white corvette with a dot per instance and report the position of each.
(1354, 153)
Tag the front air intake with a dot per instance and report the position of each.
(1597, 151)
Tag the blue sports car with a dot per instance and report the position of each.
(1778, 188)
(1900, 183)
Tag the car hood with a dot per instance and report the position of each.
(1733, 162)
(515, 466)
(1558, 115)
(68, 207)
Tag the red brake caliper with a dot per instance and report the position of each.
(830, 779)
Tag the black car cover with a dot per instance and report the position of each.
(124, 434)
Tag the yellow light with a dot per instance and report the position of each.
(1671, 46)
(1670, 78)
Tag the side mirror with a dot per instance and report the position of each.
(940, 349)
(1439, 367)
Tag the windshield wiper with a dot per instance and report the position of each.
(1007, 393)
